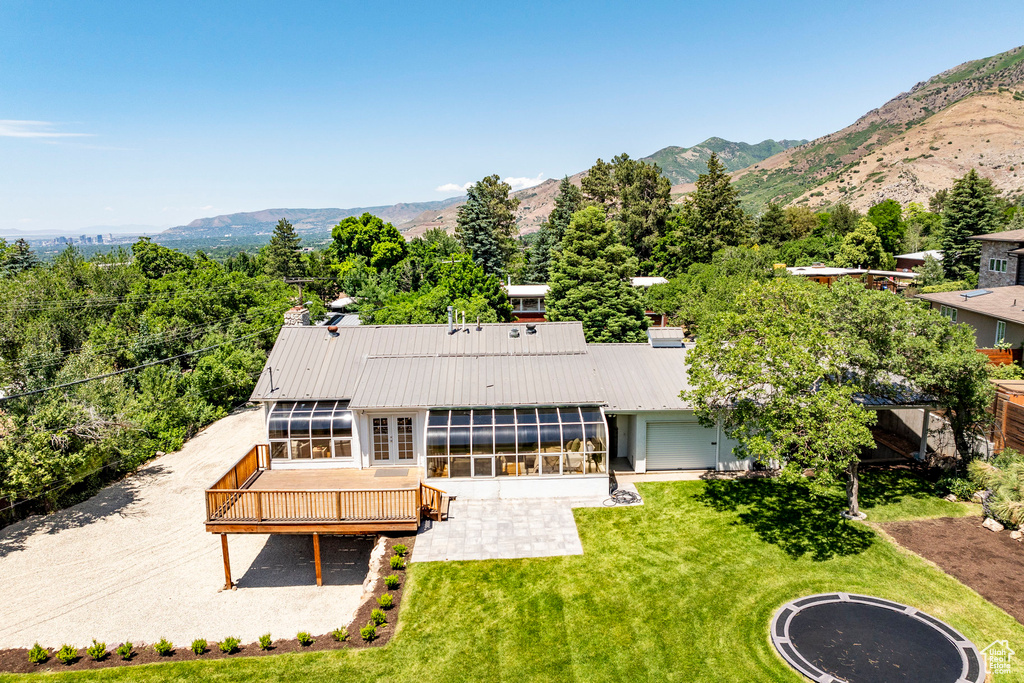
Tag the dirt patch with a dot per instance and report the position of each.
(15, 660)
(990, 563)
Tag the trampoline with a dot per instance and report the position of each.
(846, 638)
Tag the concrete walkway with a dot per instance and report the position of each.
(135, 562)
(504, 529)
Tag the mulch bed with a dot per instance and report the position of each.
(991, 563)
(15, 660)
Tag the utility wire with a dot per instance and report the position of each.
(131, 369)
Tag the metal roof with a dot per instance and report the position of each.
(647, 281)
(920, 255)
(467, 381)
(308, 362)
(641, 377)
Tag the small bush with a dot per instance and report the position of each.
(378, 617)
(391, 581)
(199, 646)
(67, 654)
(368, 632)
(98, 651)
(229, 645)
(397, 562)
(400, 549)
(305, 640)
(164, 647)
(387, 601)
(958, 486)
(265, 641)
(124, 651)
(38, 654)
(340, 634)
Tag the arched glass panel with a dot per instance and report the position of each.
(483, 440)
(342, 423)
(437, 418)
(547, 415)
(504, 439)
(459, 418)
(482, 417)
(458, 441)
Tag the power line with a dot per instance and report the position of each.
(131, 369)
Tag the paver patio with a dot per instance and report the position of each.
(504, 529)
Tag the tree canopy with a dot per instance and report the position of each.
(590, 281)
(863, 248)
(887, 217)
(368, 236)
(969, 209)
(486, 224)
(283, 254)
(568, 201)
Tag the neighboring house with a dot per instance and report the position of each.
(996, 314)
(1000, 253)
(528, 300)
(907, 262)
(891, 280)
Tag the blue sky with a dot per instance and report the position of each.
(157, 113)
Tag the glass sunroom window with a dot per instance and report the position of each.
(484, 443)
(310, 430)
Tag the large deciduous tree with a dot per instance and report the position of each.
(969, 209)
(863, 248)
(568, 201)
(368, 236)
(486, 224)
(283, 254)
(590, 281)
(887, 217)
(782, 368)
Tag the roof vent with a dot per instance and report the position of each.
(665, 337)
(531, 329)
(333, 330)
(513, 333)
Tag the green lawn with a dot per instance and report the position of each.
(680, 589)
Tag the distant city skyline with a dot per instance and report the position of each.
(152, 115)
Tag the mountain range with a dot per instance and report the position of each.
(970, 116)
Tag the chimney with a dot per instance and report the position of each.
(451, 326)
(296, 316)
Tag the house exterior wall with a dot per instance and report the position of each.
(985, 327)
(908, 264)
(997, 250)
(637, 439)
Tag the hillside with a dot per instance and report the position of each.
(966, 106)
(304, 220)
(683, 164)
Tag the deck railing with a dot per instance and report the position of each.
(258, 506)
(230, 500)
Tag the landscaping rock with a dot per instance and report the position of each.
(992, 525)
(979, 497)
(1017, 535)
(951, 498)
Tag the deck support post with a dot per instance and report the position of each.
(316, 558)
(924, 434)
(228, 584)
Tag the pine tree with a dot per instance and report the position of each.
(590, 281)
(772, 227)
(283, 256)
(635, 194)
(486, 224)
(711, 219)
(20, 257)
(970, 209)
(568, 201)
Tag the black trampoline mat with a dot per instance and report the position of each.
(863, 643)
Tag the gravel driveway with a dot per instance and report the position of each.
(135, 563)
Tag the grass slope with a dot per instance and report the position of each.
(788, 175)
(680, 589)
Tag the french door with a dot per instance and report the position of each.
(393, 440)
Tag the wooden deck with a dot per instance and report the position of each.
(251, 497)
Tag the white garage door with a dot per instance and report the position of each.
(680, 446)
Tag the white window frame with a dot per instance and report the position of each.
(997, 265)
(1000, 331)
(948, 312)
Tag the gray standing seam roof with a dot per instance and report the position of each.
(641, 377)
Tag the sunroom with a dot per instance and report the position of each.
(483, 443)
